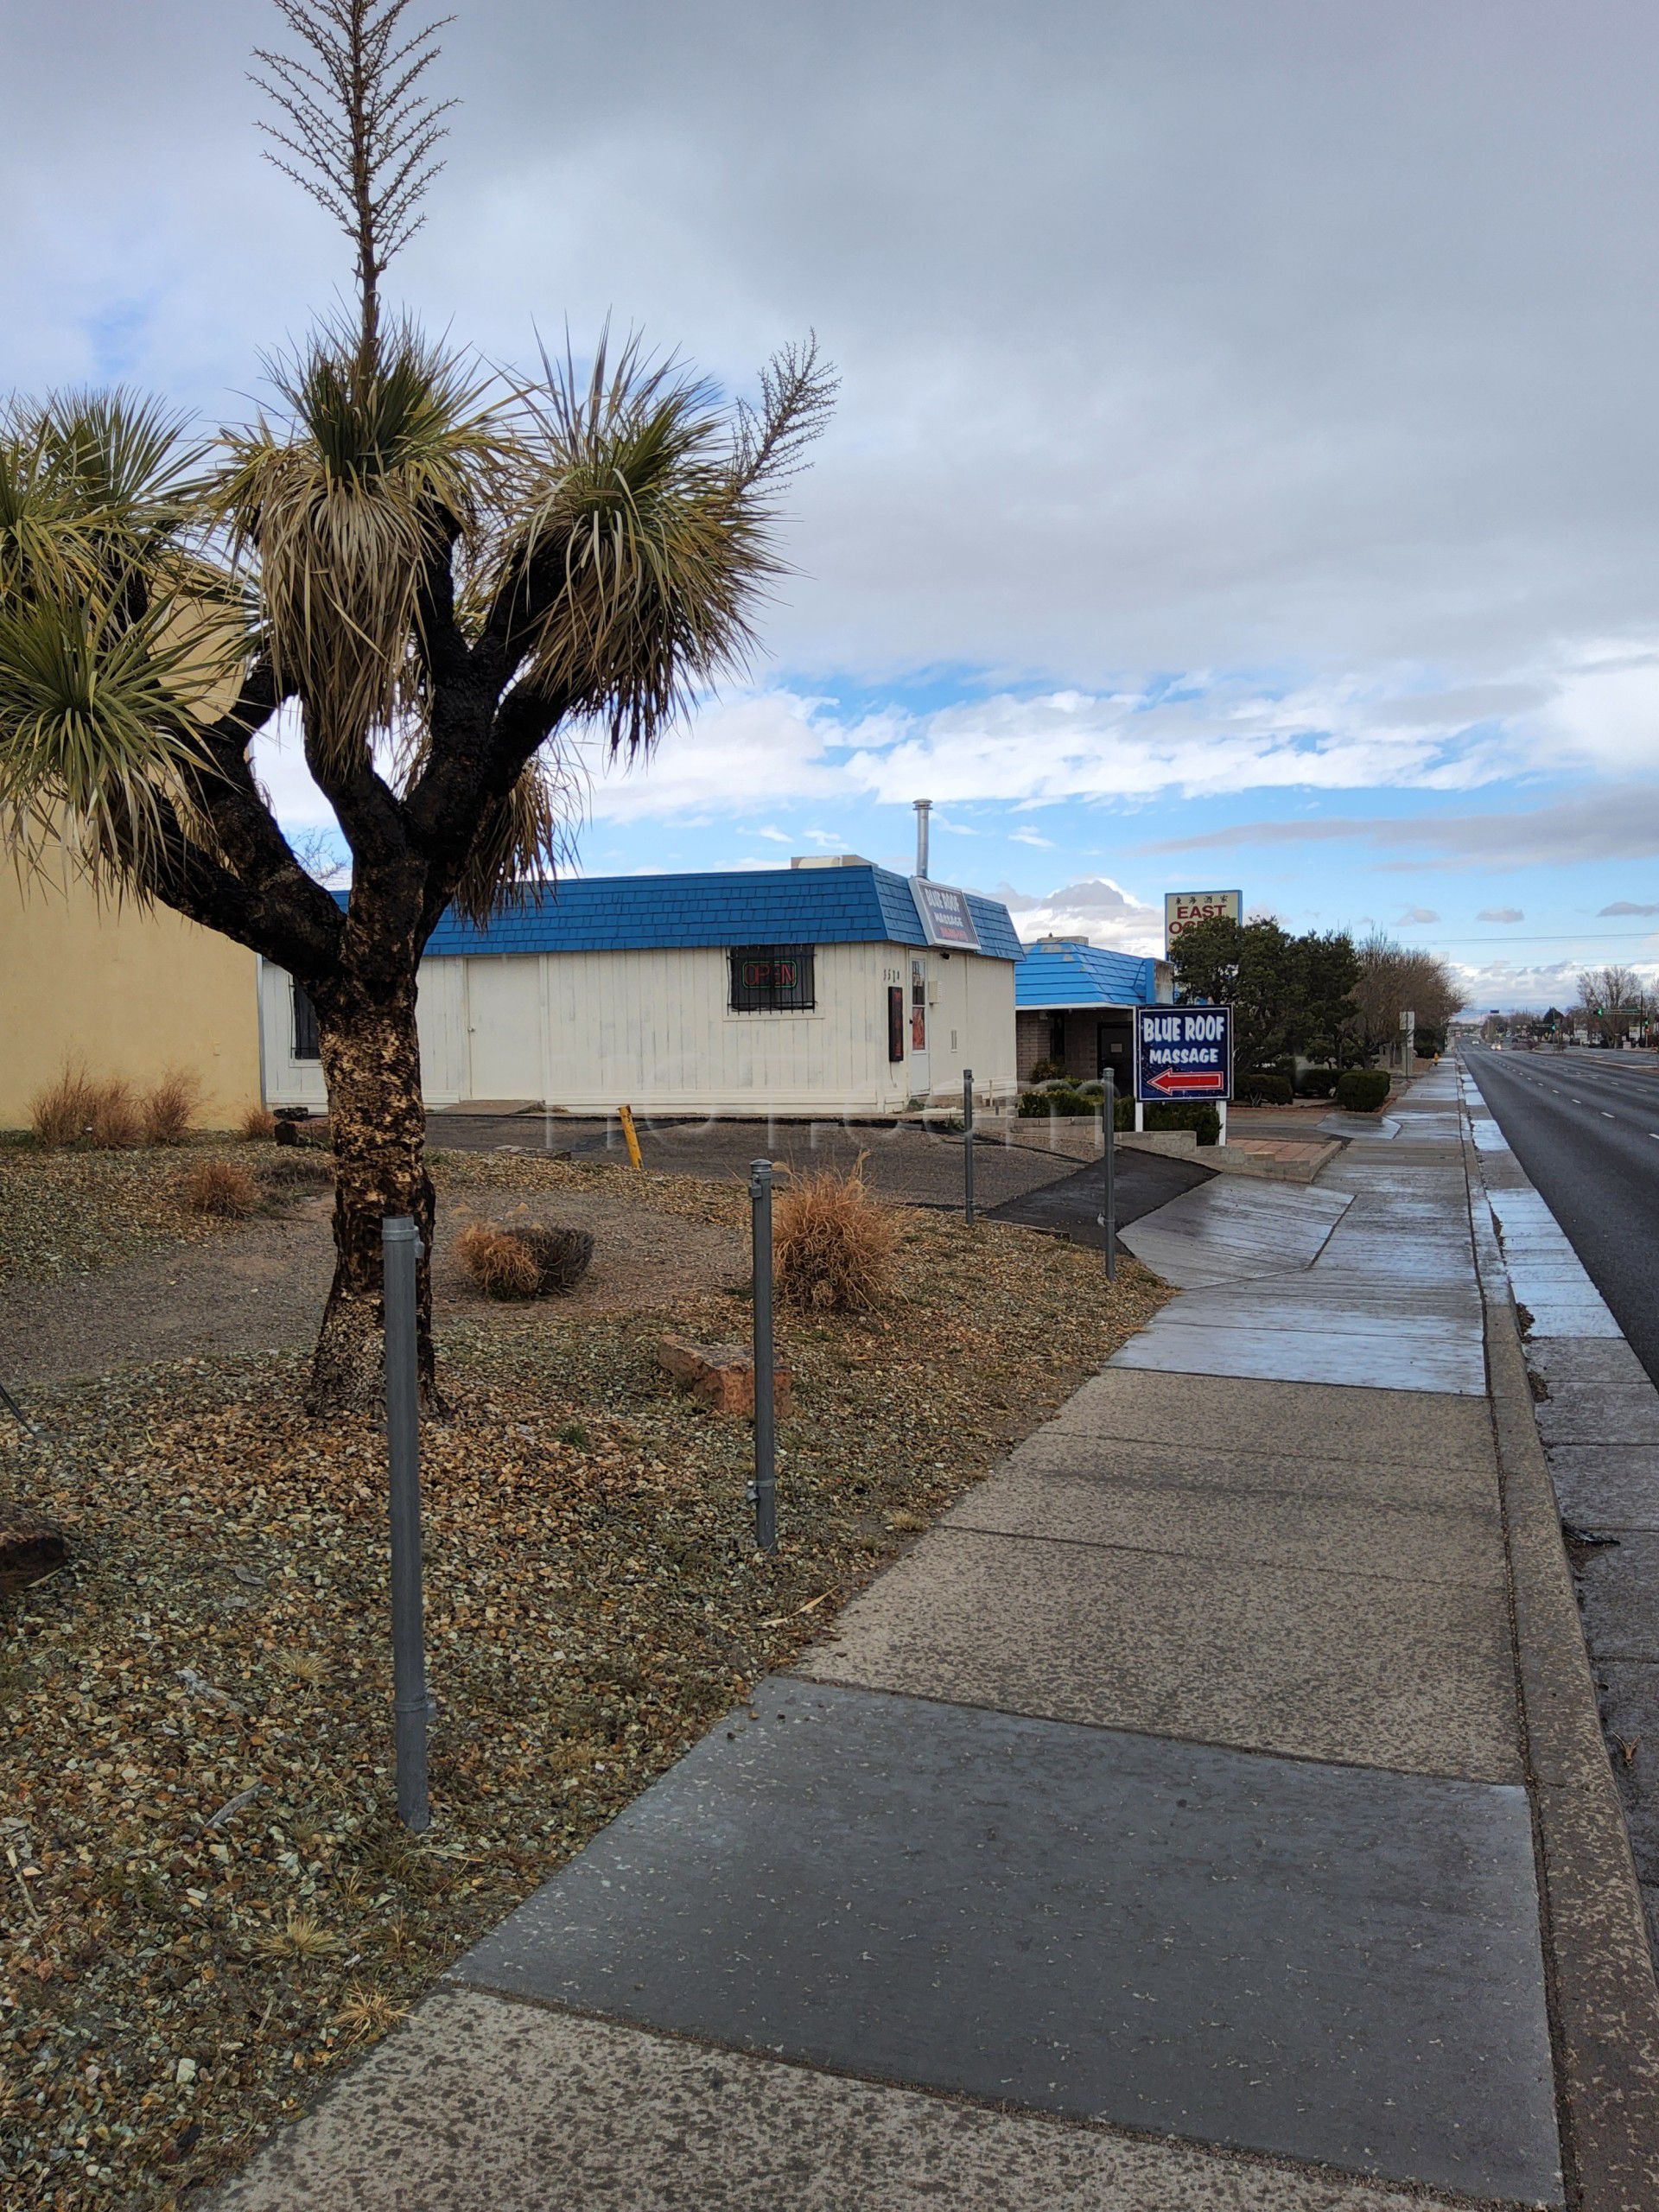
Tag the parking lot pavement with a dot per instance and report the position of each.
(902, 1161)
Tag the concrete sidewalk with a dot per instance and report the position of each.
(1163, 1834)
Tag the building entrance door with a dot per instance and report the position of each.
(920, 1082)
(504, 1021)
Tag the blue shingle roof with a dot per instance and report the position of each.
(638, 913)
(1071, 973)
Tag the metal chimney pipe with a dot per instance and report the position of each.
(922, 806)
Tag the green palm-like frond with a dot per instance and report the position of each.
(97, 739)
(641, 512)
(345, 505)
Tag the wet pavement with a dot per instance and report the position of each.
(1597, 1415)
(1173, 1794)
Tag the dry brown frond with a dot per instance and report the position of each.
(501, 1264)
(169, 1107)
(302, 1936)
(305, 1667)
(368, 2012)
(117, 1120)
(520, 842)
(257, 1125)
(832, 1242)
(529, 1259)
(220, 1187)
(63, 1110)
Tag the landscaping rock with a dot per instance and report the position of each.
(29, 1549)
(722, 1375)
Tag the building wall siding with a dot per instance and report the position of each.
(653, 1030)
(121, 991)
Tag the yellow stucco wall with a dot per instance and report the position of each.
(123, 991)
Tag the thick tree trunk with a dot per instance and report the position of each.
(372, 1059)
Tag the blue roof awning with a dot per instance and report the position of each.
(864, 905)
(1066, 972)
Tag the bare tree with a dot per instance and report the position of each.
(1396, 978)
(446, 581)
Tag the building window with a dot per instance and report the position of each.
(772, 979)
(306, 1044)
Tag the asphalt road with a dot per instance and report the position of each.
(1585, 1128)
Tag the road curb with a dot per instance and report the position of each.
(1603, 1996)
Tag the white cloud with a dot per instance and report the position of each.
(1414, 917)
(1500, 914)
(1093, 907)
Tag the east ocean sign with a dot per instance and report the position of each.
(1183, 1052)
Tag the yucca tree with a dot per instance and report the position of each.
(441, 578)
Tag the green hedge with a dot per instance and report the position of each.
(1362, 1091)
(1062, 1098)
(1317, 1083)
(1069, 1100)
(1265, 1088)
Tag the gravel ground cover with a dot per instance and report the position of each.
(66, 1213)
(178, 1287)
(207, 1905)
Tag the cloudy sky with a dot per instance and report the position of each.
(1245, 472)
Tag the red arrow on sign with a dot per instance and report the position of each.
(1169, 1081)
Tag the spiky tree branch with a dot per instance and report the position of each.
(360, 134)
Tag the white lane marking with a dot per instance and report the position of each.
(1606, 1117)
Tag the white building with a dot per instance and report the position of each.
(828, 987)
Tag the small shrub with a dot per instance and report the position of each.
(562, 1257)
(500, 1265)
(1064, 1098)
(219, 1187)
(61, 1113)
(117, 1120)
(1186, 1114)
(169, 1108)
(257, 1125)
(832, 1244)
(1047, 1071)
(1265, 1088)
(528, 1260)
(1317, 1083)
(290, 1172)
(1362, 1091)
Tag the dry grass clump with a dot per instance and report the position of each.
(169, 1107)
(832, 1242)
(257, 1125)
(117, 1123)
(60, 1113)
(529, 1261)
(107, 1112)
(299, 1169)
(220, 1187)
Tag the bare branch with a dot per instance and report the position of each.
(359, 131)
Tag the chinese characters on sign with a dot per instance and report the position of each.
(1184, 910)
(1183, 1052)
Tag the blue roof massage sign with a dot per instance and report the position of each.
(864, 904)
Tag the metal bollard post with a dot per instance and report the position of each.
(1108, 1131)
(400, 1251)
(763, 1490)
(967, 1146)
